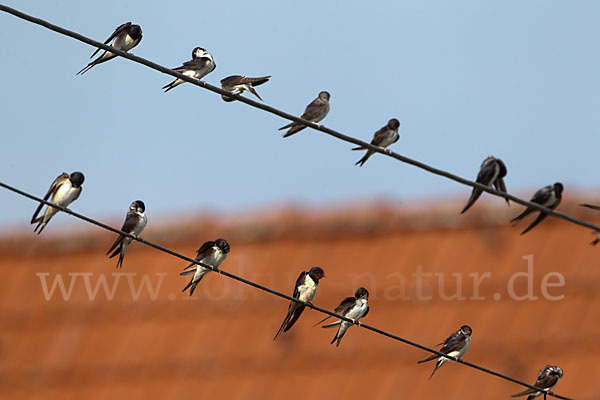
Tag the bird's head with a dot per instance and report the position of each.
(76, 179)
(361, 293)
(393, 124)
(325, 96)
(138, 206)
(466, 330)
(316, 273)
(223, 245)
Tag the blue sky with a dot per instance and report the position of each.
(516, 79)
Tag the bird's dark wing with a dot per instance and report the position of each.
(503, 169)
(345, 305)
(205, 250)
(255, 81)
(379, 136)
(62, 178)
(299, 281)
(542, 195)
(314, 109)
(120, 29)
(593, 207)
(454, 342)
(197, 63)
(546, 380)
(501, 187)
(131, 221)
(486, 173)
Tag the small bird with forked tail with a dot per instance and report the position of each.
(314, 112)
(549, 197)
(491, 172)
(547, 378)
(384, 137)
(305, 290)
(201, 64)
(135, 222)
(456, 345)
(354, 308)
(211, 253)
(64, 190)
(124, 38)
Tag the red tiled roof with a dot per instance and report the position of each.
(219, 343)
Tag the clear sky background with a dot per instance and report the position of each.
(516, 79)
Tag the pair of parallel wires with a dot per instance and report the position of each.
(315, 126)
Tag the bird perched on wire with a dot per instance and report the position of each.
(238, 83)
(314, 112)
(491, 172)
(124, 38)
(210, 253)
(201, 64)
(456, 345)
(305, 291)
(64, 190)
(354, 308)
(135, 222)
(547, 378)
(549, 197)
(384, 137)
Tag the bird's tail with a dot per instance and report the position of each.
(474, 196)
(593, 207)
(188, 272)
(41, 225)
(339, 334)
(333, 324)
(363, 160)
(254, 92)
(523, 393)
(539, 219)
(171, 85)
(437, 366)
(86, 68)
(259, 80)
(294, 128)
(287, 126)
(121, 257)
(431, 357)
(284, 323)
(525, 213)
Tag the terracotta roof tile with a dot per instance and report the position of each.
(219, 343)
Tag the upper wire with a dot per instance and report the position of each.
(291, 117)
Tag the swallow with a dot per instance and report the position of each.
(549, 197)
(384, 137)
(201, 64)
(64, 190)
(305, 291)
(210, 253)
(491, 172)
(124, 38)
(314, 112)
(456, 345)
(134, 224)
(547, 378)
(238, 83)
(351, 307)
